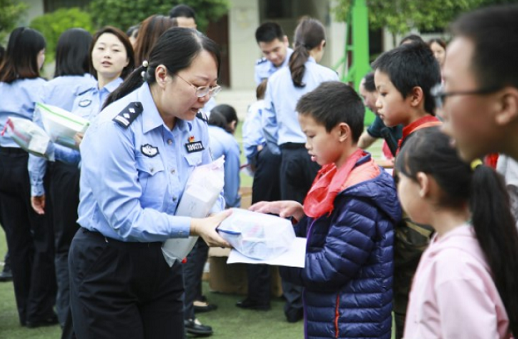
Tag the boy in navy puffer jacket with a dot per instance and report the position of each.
(348, 219)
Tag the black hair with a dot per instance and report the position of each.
(368, 82)
(261, 89)
(429, 151)
(72, 56)
(182, 11)
(409, 66)
(166, 52)
(21, 56)
(410, 39)
(150, 30)
(309, 34)
(2, 53)
(226, 111)
(133, 30)
(268, 32)
(494, 33)
(331, 103)
(217, 119)
(125, 42)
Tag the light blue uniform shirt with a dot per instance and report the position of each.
(18, 100)
(265, 68)
(279, 119)
(223, 143)
(133, 178)
(60, 92)
(252, 130)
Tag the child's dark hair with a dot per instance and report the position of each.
(494, 34)
(309, 34)
(166, 52)
(429, 151)
(150, 30)
(260, 91)
(125, 42)
(331, 103)
(133, 30)
(368, 82)
(72, 56)
(182, 11)
(217, 119)
(409, 66)
(227, 111)
(268, 32)
(410, 39)
(21, 56)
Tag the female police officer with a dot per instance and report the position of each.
(136, 159)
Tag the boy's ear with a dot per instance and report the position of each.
(416, 97)
(344, 132)
(507, 109)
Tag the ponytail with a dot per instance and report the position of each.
(497, 235)
(132, 82)
(309, 34)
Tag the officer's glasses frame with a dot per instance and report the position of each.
(440, 95)
(202, 91)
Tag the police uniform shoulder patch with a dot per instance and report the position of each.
(202, 116)
(261, 61)
(128, 114)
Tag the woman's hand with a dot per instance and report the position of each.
(283, 208)
(38, 204)
(78, 138)
(206, 228)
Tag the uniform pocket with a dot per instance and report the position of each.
(151, 177)
(194, 159)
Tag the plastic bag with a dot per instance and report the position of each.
(61, 125)
(257, 235)
(28, 136)
(201, 193)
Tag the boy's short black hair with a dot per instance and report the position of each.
(182, 11)
(410, 39)
(333, 102)
(368, 82)
(268, 32)
(411, 65)
(494, 33)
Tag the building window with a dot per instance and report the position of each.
(52, 5)
(279, 9)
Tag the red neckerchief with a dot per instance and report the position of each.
(329, 182)
(426, 121)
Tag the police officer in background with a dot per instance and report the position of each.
(136, 159)
(274, 45)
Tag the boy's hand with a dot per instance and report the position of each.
(284, 208)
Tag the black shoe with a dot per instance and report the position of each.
(253, 305)
(203, 306)
(50, 321)
(294, 315)
(193, 326)
(6, 275)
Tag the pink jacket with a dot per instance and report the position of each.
(453, 295)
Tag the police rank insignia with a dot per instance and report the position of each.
(149, 151)
(194, 146)
(85, 103)
(128, 114)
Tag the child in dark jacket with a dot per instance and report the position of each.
(348, 219)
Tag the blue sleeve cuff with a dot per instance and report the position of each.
(180, 227)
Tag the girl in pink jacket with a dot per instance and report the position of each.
(466, 283)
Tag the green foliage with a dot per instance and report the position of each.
(399, 16)
(10, 13)
(51, 25)
(124, 14)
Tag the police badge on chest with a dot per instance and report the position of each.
(194, 146)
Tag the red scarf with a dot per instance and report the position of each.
(424, 122)
(329, 182)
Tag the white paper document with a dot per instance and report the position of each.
(294, 257)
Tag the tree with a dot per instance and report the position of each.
(400, 16)
(51, 25)
(10, 13)
(123, 13)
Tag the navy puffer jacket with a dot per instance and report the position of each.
(347, 277)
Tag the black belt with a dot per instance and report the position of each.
(292, 145)
(12, 150)
(118, 242)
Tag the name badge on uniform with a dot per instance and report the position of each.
(149, 151)
(85, 103)
(194, 146)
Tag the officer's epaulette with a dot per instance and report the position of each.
(128, 114)
(202, 116)
(261, 61)
(85, 91)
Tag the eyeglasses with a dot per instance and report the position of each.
(440, 95)
(202, 91)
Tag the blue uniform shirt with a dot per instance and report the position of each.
(223, 143)
(252, 130)
(60, 92)
(18, 99)
(279, 119)
(133, 178)
(265, 68)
